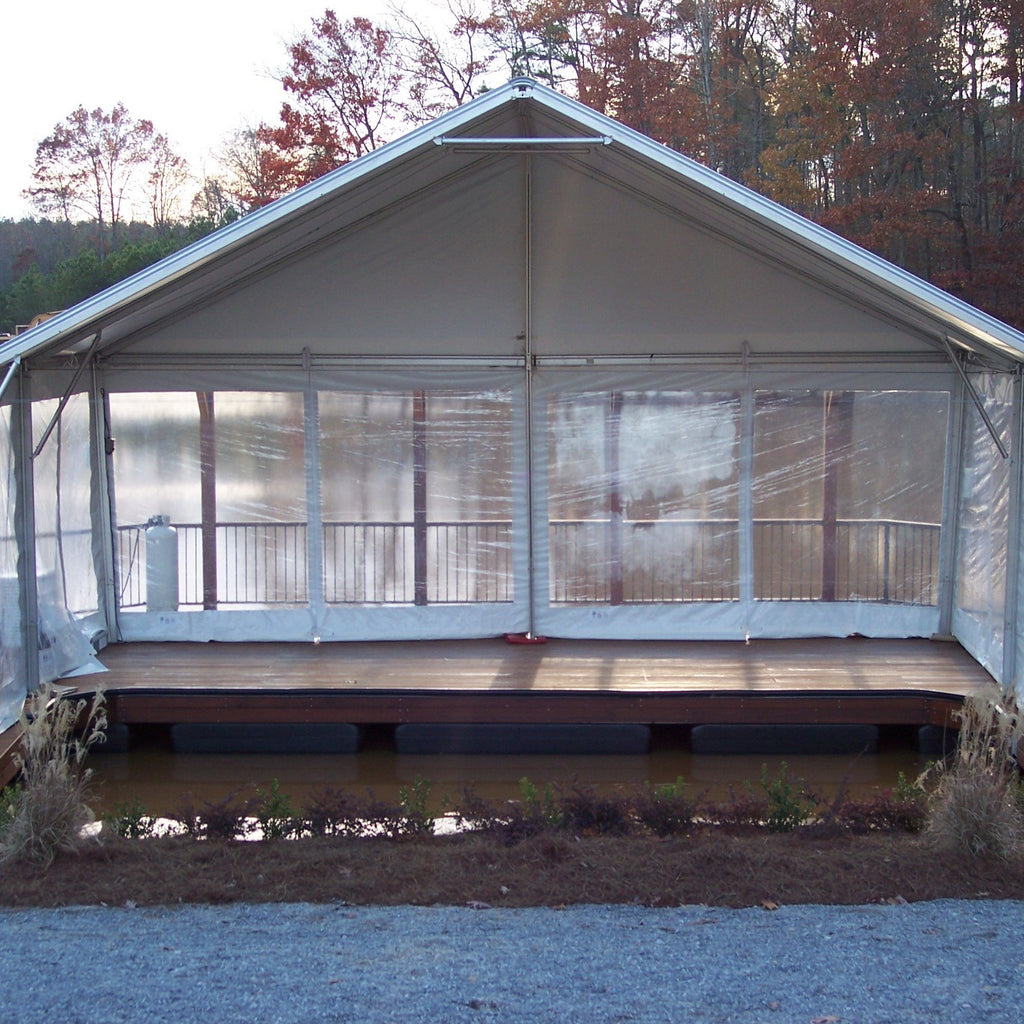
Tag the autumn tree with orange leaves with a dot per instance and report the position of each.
(344, 78)
(898, 125)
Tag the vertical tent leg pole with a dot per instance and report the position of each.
(528, 355)
(419, 495)
(838, 415)
(746, 503)
(314, 509)
(21, 423)
(950, 529)
(612, 462)
(208, 496)
(1013, 537)
(105, 553)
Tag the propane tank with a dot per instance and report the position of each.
(161, 565)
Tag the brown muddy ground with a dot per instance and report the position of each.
(715, 866)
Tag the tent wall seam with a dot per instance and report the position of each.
(1013, 558)
(949, 538)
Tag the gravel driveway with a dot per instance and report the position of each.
(938, 963)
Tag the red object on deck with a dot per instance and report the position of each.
(524, 638)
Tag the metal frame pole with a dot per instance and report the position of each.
(25, 525)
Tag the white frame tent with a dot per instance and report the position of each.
(591, 388)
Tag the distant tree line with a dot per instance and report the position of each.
(54, 266)
(899, 125)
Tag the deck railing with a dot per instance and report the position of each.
(637, 562)
(364, 563)
(655, 561)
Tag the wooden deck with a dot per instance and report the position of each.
(882, 682)
(9, 740)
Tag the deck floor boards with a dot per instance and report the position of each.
(819, 664)
(820, 680)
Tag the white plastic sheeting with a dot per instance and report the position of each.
(397, 504)
(378, 507)
(65, 572)
(749, 512)
(256, 479)
(12, 668)
(978, 618)
(400, 504)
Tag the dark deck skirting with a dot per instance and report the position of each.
(784, 739)
(425, 738)
(264, 738)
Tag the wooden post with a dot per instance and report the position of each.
(208, 496)
(613, 465)
(838, 425)
(419, 495)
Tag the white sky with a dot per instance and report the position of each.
(197, 69)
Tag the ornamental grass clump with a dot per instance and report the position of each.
(50, 810)
(977, 807)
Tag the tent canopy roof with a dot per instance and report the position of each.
(519, 116)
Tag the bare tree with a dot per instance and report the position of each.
(445, 67)
(168, 173)
(87, 164)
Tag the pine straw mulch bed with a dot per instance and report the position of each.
(714, 866)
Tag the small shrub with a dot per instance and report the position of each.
(338, 812)
(587, 812)
(975, 813)
(130, 821)
(744, 809)
(510, 823)
(9, 797)
(883, 812)
(474, 813)
(414, 800)
(379, 818)
(50, 811)
(787, 806)
(541, 808)
(275, 813)
(221, 819)
(665, 810)
(906, 791)
(976, 807)
(335, 812)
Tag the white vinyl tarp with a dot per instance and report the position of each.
(66, 585)
(373, 508)
(12, 664)
(983, 518)
(407, 504)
